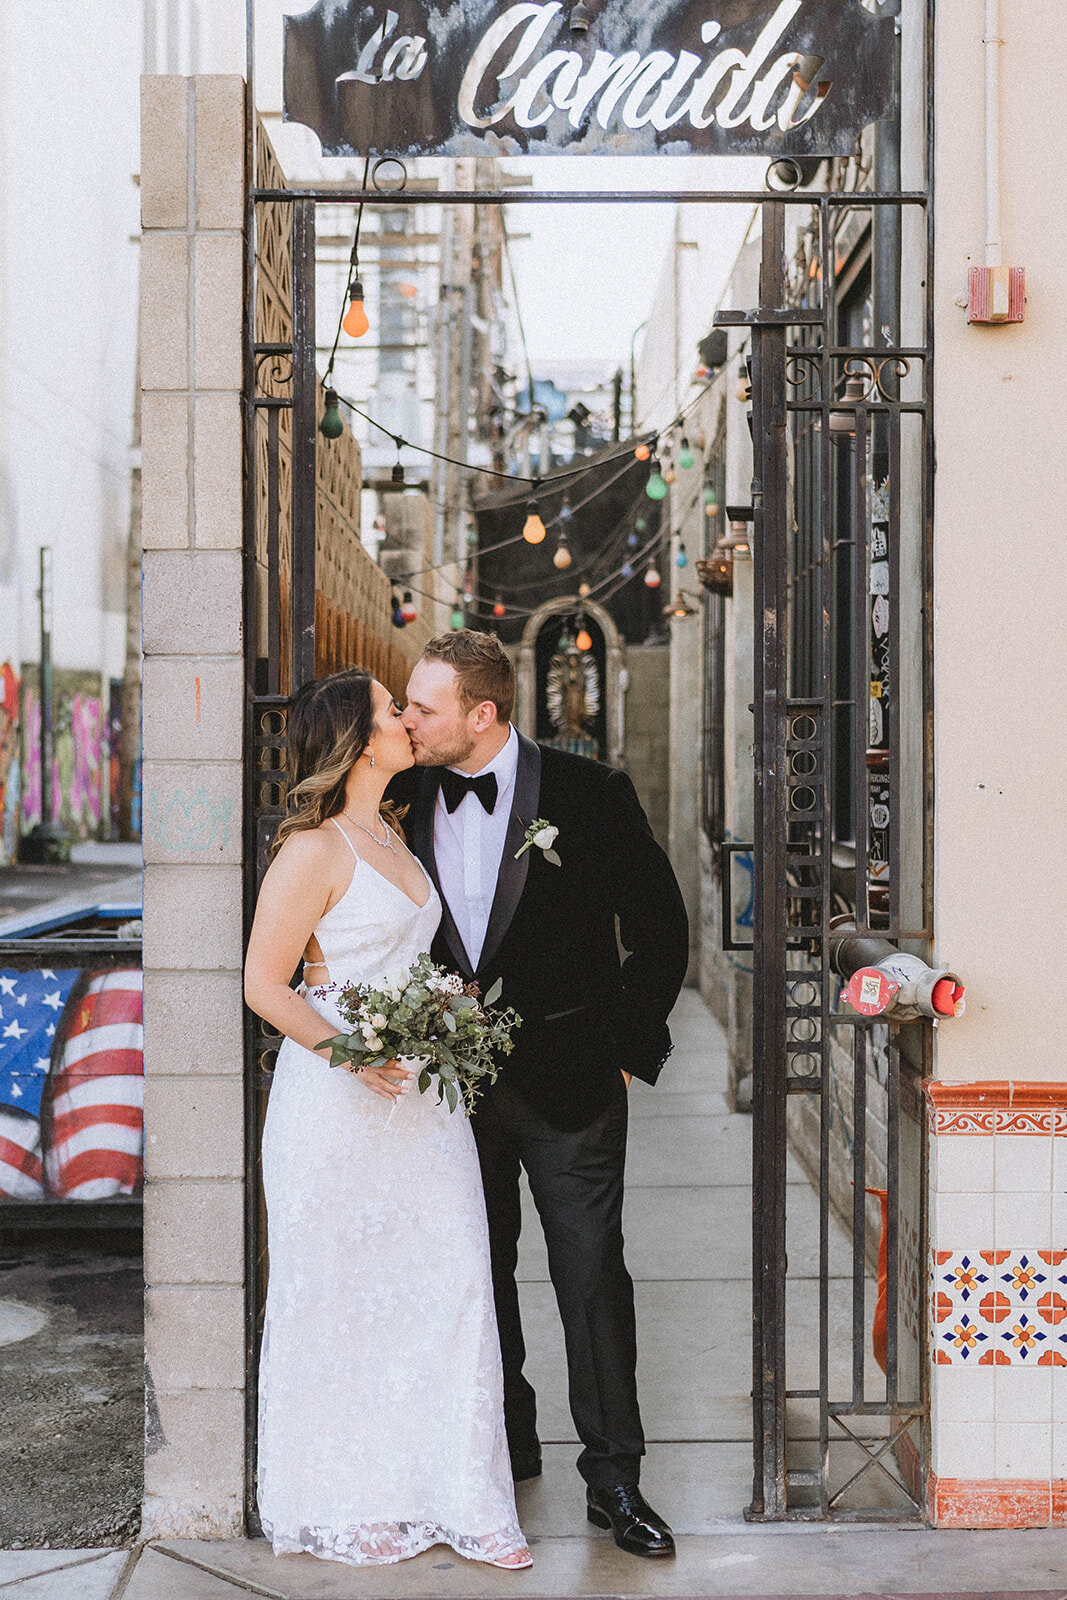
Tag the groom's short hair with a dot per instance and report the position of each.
(482, 667)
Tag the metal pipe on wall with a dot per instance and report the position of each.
(992, 42)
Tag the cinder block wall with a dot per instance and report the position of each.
(192, 196)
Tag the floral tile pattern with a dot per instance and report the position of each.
(999, 1307)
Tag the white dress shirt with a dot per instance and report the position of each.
(468, 845)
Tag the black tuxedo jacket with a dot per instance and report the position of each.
(588, 1010)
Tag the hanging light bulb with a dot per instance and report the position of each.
(533, 529)
(580, 18)
(355, 321)
(562, 558)
(500, 609)
(642, 452)
(565, 512)
(584, 591)
(652, 578)
(711, 502)
(627, 570)
(456, 619)
(398, 472)
(681, 559)
(632, 541)
(398, 614)
(640, 525)
(679, 607)
(332, 425)
(668, 473)
(584, 641)
(656, 487)
(685, 455)
(408, 608)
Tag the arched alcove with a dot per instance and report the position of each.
(607, 657)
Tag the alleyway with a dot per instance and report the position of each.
(688, 1221)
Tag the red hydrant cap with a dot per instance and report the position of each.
(947, 997)
(869, 991)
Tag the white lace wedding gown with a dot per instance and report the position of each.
(381, 1427)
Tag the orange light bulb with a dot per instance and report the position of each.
(355, 321)
(533, 529)
(500, 609)
(642, 452)
(584, 640)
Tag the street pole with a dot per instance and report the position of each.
(48, 840)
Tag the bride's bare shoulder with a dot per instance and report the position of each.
(309, 850)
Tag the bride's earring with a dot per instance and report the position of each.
(371, 754)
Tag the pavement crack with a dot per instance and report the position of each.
(62, 1566)
(220, 1573)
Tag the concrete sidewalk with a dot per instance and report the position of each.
(688, 1222)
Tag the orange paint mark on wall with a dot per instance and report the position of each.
(198, 700)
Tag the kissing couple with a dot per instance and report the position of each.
(394, 1412)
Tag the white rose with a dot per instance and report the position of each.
(367, 1031)
(372, 1042)
(402, 980)
(546, 838)
(378, 1021)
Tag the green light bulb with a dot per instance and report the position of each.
(656, 487)
(332, 425)
(456, 618)
(685, 456)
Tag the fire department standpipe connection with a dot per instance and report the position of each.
(882, 981)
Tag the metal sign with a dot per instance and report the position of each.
(588, 77)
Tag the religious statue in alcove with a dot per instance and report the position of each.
(572, 697)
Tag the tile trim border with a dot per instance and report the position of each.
(996, 1502)
(996, 1106)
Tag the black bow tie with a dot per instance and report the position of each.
(454, 785)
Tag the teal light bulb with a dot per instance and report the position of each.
(332, 425)
(656, 487)
(685, 456)
(640, 525)
(456, 618)
(681, 559)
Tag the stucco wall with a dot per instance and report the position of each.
(1001, 554)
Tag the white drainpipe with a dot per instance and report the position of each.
(992, 42)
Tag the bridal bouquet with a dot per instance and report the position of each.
(427, 1012)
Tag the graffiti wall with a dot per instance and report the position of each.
(79, 765)
(10, 686)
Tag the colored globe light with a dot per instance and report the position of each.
(710, 497)
(332, 425)
(656, 487)
(652, 579)
(584, 591)
(500, 609)
(640, 525)
(355, 321)
(533, 529)
(681, 559)
(685, 455)
(408, 608)
(627, 570)
(584, 640)
(642, 452)
(632, 541)
(456, 619)
(398, 616)
(562, 558)
(668, 473)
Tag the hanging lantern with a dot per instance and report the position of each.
(562, 558)
(686, 457)
(584, 640)
(355, 321)
(408, 609)
(499, 608)
(656, 487)
(398, 473)
(652, 578)
(717, 572)
(642, 451)
(679, 607)
(533, 529)
(332, 425)
(681, 559)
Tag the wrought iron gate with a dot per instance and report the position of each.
(841, 514)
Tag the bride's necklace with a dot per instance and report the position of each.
(386, 843)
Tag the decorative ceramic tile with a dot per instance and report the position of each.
(999, 1307)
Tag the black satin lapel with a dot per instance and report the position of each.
(422, 842)
(511, 879)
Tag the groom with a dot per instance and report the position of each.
(543, 919)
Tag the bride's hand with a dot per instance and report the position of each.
(391, 1081)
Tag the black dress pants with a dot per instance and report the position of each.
(576, 1178)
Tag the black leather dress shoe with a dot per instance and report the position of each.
(525, 1464)
(636, 1527)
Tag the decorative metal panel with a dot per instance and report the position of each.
(607, 77)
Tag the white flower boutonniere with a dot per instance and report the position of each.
(542, 834)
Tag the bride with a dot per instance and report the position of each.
(381, 1427)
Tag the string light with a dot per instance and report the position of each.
(355, 321)
(686, 457)
(652, 578)
(533, 529)
(398, 614)
(562, 558)
(499, 608)
(642, 452)
(408, 609)
(656, 487)
(332, 425)
(584, 640)
(456, 619)
(584, 591)
(681, 559)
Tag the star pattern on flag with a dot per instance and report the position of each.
(35, 1000)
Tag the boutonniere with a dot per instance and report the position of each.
(542, 834)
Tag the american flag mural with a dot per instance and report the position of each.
(31, 1005)
(94, 1110)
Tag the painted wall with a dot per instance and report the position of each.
(1001, 555)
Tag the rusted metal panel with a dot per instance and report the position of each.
(608, 77)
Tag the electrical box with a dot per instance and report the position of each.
(996, 294)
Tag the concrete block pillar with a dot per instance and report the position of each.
(192, 295)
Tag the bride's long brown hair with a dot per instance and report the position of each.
(331, 721)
